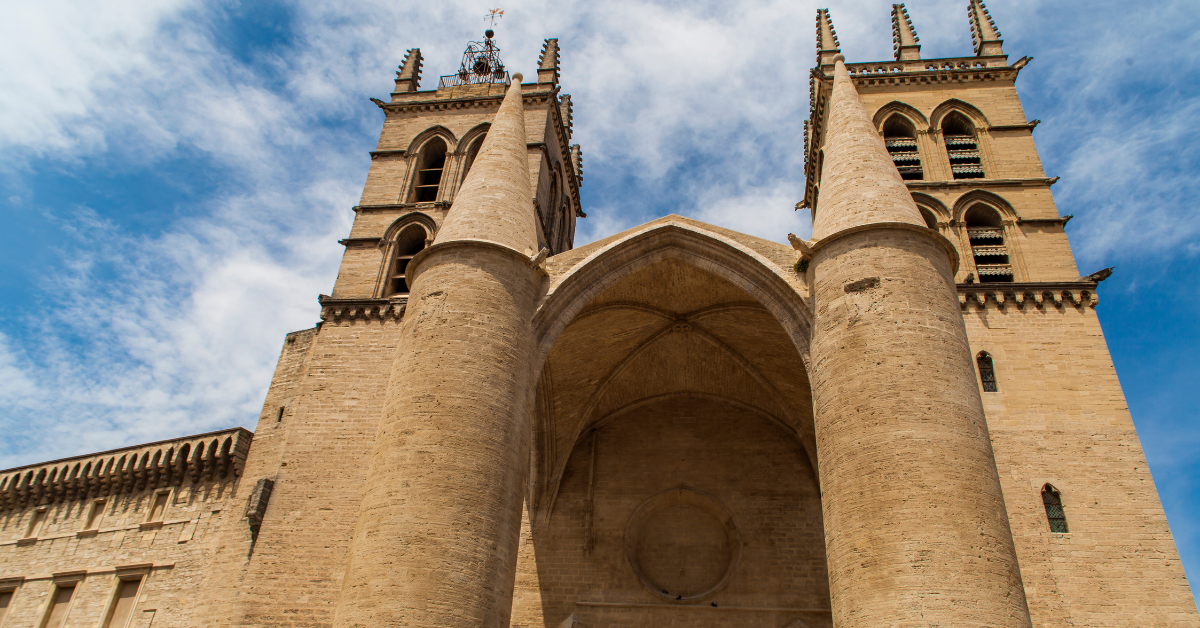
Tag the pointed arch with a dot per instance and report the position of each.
(976, 197)
(671, 237)
(470, 144)
(1055, 515)
(972, 113)
(424, 137)
(918, 119)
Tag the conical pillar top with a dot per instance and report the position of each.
(495, 202)
(860, 184)
(904, 36)
(984, 34)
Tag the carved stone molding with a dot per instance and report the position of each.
(1023, 295)
(340, 311)
(205, 457)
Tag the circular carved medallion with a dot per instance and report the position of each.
(682, 544)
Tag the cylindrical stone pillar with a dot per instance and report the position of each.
(916, 529)
(436, 539)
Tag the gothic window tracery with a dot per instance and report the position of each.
(901, 141)
(1055, 516)
(985, 231)
(962, 147)
(430, 164)
(410, 242)
(472, 152)
(987, 372)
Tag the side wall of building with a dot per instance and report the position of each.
(1059, 417)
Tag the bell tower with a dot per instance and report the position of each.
(1006, 414)
(429, 142)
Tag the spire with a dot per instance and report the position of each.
(568, 113)
(495, 201)
(408, 78)
(983, 30)
(904, 36)
(548, 63)
(860, 184)
(827, 41)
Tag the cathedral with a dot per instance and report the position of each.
(910, 419)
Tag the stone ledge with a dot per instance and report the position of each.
(1001, 295)
(348, 310)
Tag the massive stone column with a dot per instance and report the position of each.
(915, 525)
(436, 539)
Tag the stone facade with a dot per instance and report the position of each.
(911, 419)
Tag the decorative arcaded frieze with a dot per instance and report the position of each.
(350, 310)
(192, 459)
(1022, 295)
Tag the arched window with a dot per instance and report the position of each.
(986, 233)
(430, 164)
(1054, 509)
(410, 241)
(928, 217)
(987, 373)
(472, 152)
(901, 142)
(962, 147)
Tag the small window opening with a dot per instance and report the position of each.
(60, 603)
(986, 234)
(124, 600)
(901, 142)
(962, 147)
(429, 171)
(35, 524)
(159, 507)
(472, 152)
(1054, 509)
(5, 602)
(987, 374)
(95, 515)
(279, 417)
(410, 242)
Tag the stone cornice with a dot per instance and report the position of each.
(383, 207)
(348, 242)
(349, 310)
(980, 183)
(204, 457)
(1034, 294)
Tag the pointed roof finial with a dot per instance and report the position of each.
(859, 183)
(827, 40)
(495, 202)
(548, 62)
(904, 36)
(984, 34)
(408, 77)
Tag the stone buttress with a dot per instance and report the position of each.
(915, 523)
(436, 539)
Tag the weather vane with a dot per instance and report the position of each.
(493, 15)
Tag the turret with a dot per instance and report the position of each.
(984, 34)
(904, 36)
(436, 539)
(827, 41)
(408, 77)
(915, 524)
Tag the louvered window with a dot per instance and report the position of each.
(410, 241)
(962, 147)
(429, 172)
(901, 142)
(986, 234)
(1054, 509)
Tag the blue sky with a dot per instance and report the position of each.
(175, 175)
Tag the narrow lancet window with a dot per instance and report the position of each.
(472, 153)
(410, 241)
(986, 233)
(1054, 509)
(429, 171)
(962, 147)
(987, 374)
(901, 142)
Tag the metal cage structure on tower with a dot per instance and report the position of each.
(480, 64)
